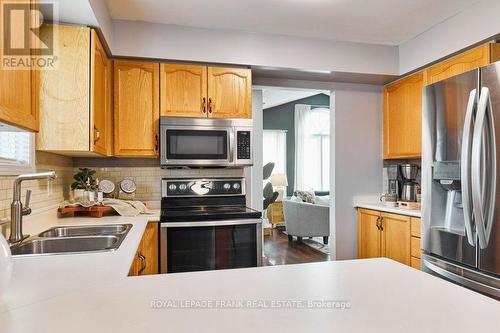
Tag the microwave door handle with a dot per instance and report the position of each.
(231, 145)
(465, 168)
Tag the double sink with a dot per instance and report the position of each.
(73, 239)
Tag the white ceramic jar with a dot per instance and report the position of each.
(5, 265)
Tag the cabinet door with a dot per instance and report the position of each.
(136, 112)
(369, 235)
(146, 257)
(18, 89)
(464, 62)
(101, 99)
(396, 237)
(229, 92)
(64, 96)
(403, 118)
(183, 90)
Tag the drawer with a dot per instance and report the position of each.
(415, 263)
(415, 247)
(415, 226)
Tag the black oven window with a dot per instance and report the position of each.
(195, 144)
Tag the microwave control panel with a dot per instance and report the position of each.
(243, 145)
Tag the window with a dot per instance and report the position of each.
(312, 148)
(275, 150)
(16, 151)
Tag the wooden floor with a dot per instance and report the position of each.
(279, 251)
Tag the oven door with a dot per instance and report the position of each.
(210, 245)
(196, 146)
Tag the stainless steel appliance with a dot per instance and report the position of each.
(199, 142)
(461, 216)
(205, 225)
(409, 175)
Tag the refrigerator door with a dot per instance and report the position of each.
(448, 229)
(489, 256)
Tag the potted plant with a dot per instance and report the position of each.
(80, 180)
(269, 194)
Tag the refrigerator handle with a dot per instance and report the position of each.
(465, 168)
(483, 211)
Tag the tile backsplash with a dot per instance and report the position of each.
(63, 166)
(145, 172)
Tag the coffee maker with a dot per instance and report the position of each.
(393, 180)
(409, 185)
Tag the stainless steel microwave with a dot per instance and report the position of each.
(210, 142)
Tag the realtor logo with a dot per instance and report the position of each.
(24, 44)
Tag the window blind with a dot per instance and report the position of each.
(16, 148)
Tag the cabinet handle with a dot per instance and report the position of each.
(97, 134)
(381, 224)
(156, 142)
(378, 223)
(210, 105)
(204, 105)
(142, 258)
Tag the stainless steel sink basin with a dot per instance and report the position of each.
(66, 244)
(74, 239)
(91, 230)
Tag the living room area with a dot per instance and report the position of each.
(296, 173)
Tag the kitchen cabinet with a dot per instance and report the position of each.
(229, 92)
(415, 243)
(369, 235)
(201, 91)
(395, 237)
(136, 111)
(386, 235)
(146, 258)
(183, 90)
(464, 62)
(75, 98)
(403, 118)
(18, 93)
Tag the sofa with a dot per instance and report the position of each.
(304, 219)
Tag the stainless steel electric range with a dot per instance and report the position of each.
(206, 225)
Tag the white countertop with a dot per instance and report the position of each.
(92, 293)
(383, 208)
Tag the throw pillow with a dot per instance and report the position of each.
(323, 200)
(306, 196)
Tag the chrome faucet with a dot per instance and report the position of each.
(17, 210)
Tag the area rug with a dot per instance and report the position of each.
(314, 242)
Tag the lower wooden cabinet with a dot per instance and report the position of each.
(387, 235)
(146, 257)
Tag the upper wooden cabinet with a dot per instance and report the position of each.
(201, 91)
(18, 92)
(101, 97)
(183, 90)
(75, 98)
(384, 235)
(469, 60)
(403, 118)
(229, 92)
(136, 112)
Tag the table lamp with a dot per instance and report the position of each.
(279, 181)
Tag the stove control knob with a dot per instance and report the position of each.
(227, 186)
(182, 187)
(236, 186)
(172, 187)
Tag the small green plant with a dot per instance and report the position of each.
(270, 195)
(81, 177)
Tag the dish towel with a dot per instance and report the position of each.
(127, 207)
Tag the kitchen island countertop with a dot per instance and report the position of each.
(92, 293)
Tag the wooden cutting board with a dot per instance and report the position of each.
(94, 211)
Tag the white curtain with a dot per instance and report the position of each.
(274, 150)
(302, 113)
(312, 132)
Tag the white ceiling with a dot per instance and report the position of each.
(276, 96)
(388, 22)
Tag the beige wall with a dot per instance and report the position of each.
(39, 197)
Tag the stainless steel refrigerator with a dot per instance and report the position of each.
(460, 190)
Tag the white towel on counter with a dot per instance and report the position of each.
(127, 207)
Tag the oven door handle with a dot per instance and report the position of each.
(206, 223)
